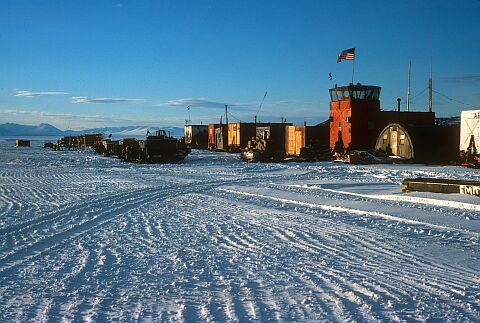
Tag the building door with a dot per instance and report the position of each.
(298, 142)
(394, 140)
(218, 139)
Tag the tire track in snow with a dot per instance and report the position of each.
(248, 307)
(433, 288)
(443, 268)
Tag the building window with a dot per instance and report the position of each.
(348, 119)
(331, 118)
(402, 139)
(349, 130)
(340, 124)
(385, 139)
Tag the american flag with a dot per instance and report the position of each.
(348, 54)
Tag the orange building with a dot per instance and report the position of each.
(356, 120)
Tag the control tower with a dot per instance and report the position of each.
(353, 112)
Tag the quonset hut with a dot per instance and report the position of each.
(358, 123)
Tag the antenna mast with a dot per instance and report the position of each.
(430, 96)
(408, 91)
(261, 103)
(430, 86)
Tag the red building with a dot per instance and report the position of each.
(356, 119)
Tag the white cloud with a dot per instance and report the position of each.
(192, 102)
(204, 103)
(86, 99)
(30, 94)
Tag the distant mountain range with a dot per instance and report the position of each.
(448, 121)
(45, 129)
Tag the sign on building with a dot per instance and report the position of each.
(470, 126)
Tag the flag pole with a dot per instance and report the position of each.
(353, 67)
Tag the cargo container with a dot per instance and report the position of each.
(89, 140)
(317, 142)
(131, 149)
(240, 133)
(196, 136)
(22, 143)
(274, 137)
(69, 142)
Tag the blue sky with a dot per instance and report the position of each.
(81, 64)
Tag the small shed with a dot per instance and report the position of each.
(22, 143)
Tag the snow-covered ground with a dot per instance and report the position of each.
(87, 238)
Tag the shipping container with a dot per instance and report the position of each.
(131, 149)
(90, 140)
(274, 137)
(196, 136)
(240, 133)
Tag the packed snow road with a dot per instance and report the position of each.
(87, 238)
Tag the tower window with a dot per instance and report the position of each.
(348, 119)
(331, 118)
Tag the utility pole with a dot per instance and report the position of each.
(408, 91)
(226, 114)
